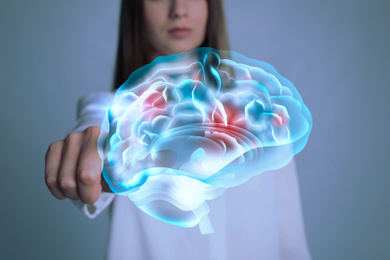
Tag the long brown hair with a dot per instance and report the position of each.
(131, 53)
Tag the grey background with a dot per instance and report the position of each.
(335, 52)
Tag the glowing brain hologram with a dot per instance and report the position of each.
(184, 128)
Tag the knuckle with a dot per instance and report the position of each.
(52, 147)
(71, 138)
(92, 131)
(87, 176)
(50, 182)
(67, 185)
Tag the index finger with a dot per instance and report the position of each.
(89, 167)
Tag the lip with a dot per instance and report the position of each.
(179, 32)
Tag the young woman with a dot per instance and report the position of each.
(260, 219)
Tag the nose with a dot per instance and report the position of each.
(178, 9)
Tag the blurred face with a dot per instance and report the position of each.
(174, 26)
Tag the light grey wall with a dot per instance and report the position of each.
(337, 55)
(335, 52)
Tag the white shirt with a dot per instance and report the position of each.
(260, 219)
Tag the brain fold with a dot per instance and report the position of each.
(184, 128)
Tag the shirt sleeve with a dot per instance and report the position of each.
(91, 110)
(292, 238)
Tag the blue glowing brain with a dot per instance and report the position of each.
(184, 128)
